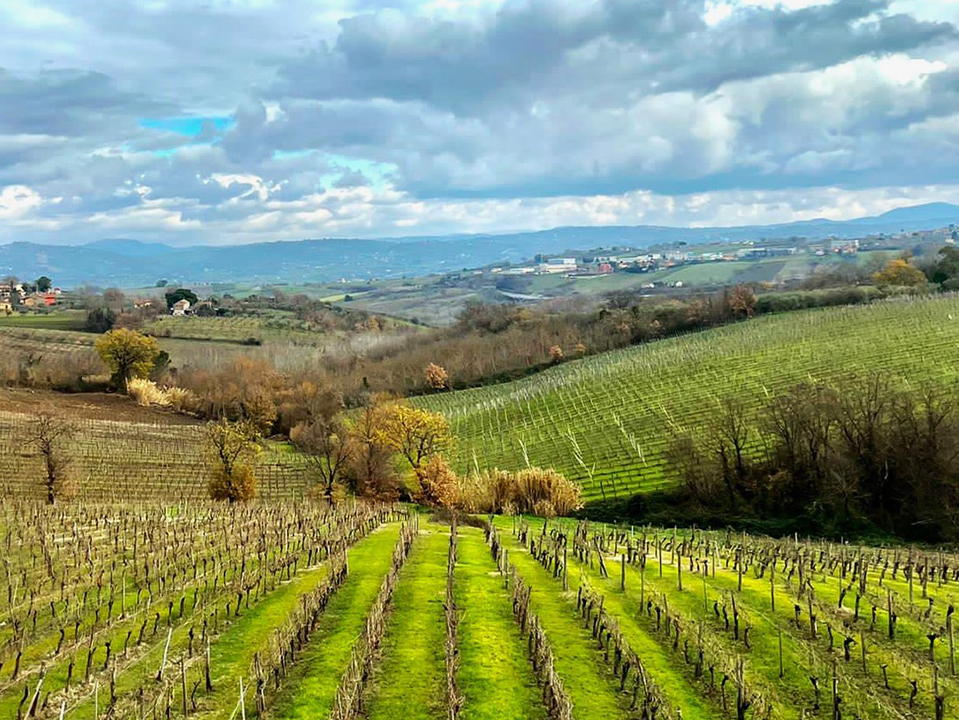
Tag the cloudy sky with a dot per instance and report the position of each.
(223, 121)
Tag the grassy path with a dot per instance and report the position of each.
(586, 678)
(311, 686)
(410, 680)
(494, 674)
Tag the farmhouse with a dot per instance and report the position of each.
(40, 300)
(180, 308)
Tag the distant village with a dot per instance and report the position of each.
(15, 295)
(630, 260)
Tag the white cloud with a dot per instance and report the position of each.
(17, 201)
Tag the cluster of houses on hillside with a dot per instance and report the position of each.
(17, 295)
(633, 261)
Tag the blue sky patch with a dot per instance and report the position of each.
(187, 126)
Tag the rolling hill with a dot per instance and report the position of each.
(134, 263)
(608, 420)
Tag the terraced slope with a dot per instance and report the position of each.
(607, 421)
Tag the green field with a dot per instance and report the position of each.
(606, 421)
(55, 320)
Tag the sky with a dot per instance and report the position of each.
(235, 121)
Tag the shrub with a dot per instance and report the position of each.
(99, 320)
(233, 449)
(536, 485)
(238, 485)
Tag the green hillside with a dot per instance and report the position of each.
(607, 420)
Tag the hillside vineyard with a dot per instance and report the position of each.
(607, 421)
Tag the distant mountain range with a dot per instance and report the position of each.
(132, 263)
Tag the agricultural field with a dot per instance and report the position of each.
(607, 421)
(57, 320)
(120, 450)
(261, 327)
(298, 610)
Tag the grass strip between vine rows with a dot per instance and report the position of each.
(494, 676)
(311, 686)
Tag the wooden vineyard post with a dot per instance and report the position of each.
(705, 597)
(622, 577)
(565, 568)
(679, 567)
(892, 622)
(772, 586)
(952, 645)
(206, 669)
(782, 670)
(659, 550)
(183, 686)
(910, 568)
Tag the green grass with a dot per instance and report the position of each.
(311, 686)
(712, 273)
(232, 654)
(54, 320)
(410, 680)
(495, 677)
(606, 421)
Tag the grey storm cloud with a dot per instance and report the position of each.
(70, 102)
(297, 102)
(538, 48)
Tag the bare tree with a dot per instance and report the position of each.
(50, 434)
(325, 441)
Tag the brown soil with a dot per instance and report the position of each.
(89, 406)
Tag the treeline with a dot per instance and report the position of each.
(869, 452)
(112, 308)
(493, 343)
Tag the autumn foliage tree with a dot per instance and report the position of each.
(415, 434)
(371, 469)
(128, 354)
(232, 448)
(439, 486)
(436, 377)
(742, 301)
(900, 272)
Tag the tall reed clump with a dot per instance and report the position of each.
(536, 491)
(146, 393)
